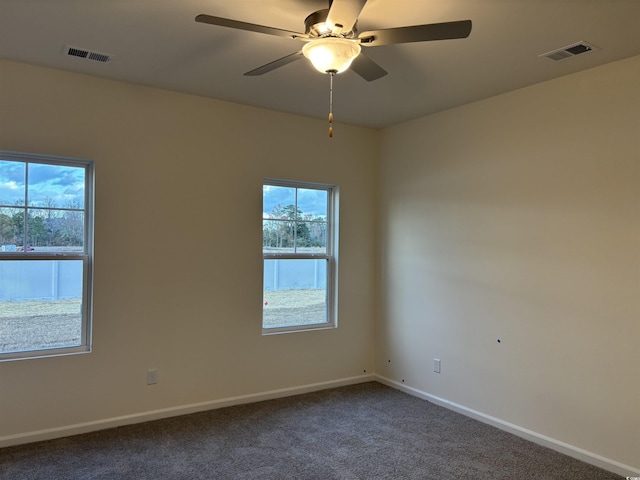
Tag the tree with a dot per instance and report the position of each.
(36, 232)
(287, 226)
(297, 230)
(18, 227)
(7, 235)
(72, 224)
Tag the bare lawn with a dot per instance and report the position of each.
(34, 325)
(283, 308)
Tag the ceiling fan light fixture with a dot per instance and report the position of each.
(331, 54)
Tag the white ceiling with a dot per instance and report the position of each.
(158, 43)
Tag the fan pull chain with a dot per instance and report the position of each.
(331, 74)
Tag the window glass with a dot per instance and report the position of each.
(295, 293)
(298, 226)
(40, 305)
(54, 186)
(46, 248)
(299, 261)
(54, 230)
(12, 182)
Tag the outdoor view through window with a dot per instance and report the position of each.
(298, 256)
(45, 246)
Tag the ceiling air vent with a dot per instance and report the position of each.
(569, 51)
(87, 54)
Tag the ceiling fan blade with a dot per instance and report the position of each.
(416, 33)
(251, 27)
(344, 14)
(367, 68)
(275, 64)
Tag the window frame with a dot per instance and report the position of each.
(331, 256)
(86, 255)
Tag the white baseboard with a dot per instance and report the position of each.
(570, 450)
(68, 430)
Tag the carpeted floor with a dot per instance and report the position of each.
(366, 431)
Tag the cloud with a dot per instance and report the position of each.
(274, 195)
(310, 201)
(11, 185)
(11, 182)
(11, 172)
(54, 175)
(48, 185)
(313, 201)
(55, 185)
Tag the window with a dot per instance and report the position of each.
(299, 238)
(46, 249)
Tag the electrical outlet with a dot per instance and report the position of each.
(436, 365)
(152, 376)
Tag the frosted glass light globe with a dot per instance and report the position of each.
(331, 54)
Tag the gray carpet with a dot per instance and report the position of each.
(365, 431)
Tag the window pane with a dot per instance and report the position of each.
(11, 228)
(294, 220)
(46, 205)
(278, 236)
(311, 237)
(40, 304)
(52, 230)
(275, 198)
(295, 293)
(313, 204)
(56, 186)
(12, 176)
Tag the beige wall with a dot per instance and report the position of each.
(178, 265)
(515, 218)
(518, 218)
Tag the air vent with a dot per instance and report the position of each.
(86, 54)
(569, 51)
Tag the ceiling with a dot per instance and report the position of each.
(158, 43)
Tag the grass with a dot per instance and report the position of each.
(283, 308)
(35, 325)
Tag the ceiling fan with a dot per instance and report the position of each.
(333, 42)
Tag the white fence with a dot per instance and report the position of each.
(295, 274)
(55, 280)
(41, 280)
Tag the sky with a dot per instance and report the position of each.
(52, 185)
(61, 185)
(309, 201)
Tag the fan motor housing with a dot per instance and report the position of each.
(315, 25)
